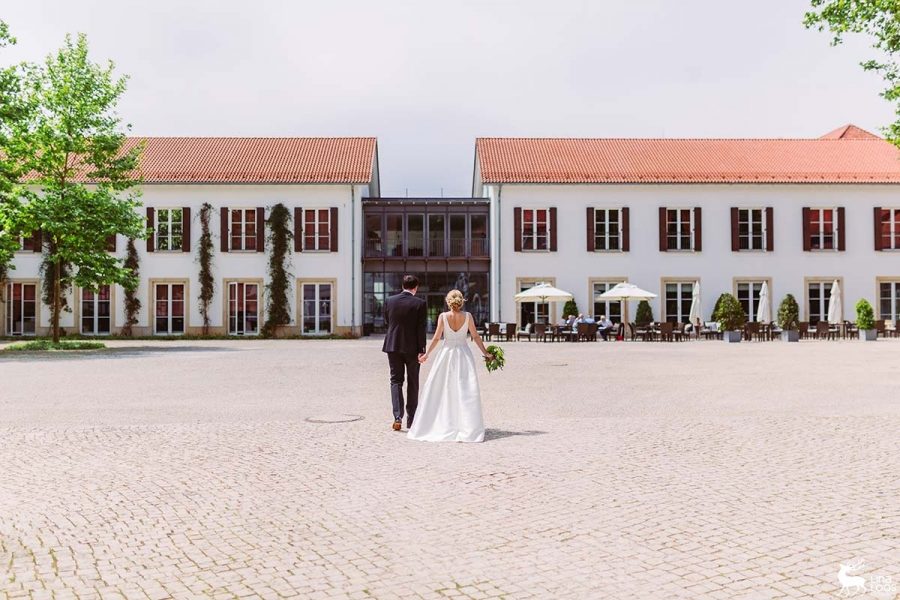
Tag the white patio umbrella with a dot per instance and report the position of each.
(835, 309)
(625, 291)
(694, 315)
(764, 311)
(543, 292)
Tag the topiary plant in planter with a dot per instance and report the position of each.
(570, 308)
(730, 316)
(865, 321)
(644, 315)
(789, 319)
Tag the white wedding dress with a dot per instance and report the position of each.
(450, 403)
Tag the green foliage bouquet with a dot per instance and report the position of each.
(496, 361)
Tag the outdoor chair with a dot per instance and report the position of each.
(667, 331)
(880, 328)
(680, 332)
(850, 329)
(526, 333)
(593, 328)
(803, 329)
(540, 331)
(751, 330)
(510, 332)
(710, 330)
(581, 332)
(493, 330)
(824, 330)
(891, 328)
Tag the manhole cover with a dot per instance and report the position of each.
(559, 364)
(334, 419)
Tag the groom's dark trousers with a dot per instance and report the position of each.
(405, 316)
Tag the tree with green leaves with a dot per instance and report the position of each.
(83, 186)
(279, 286)
(880, 21)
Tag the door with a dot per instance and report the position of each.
(21, 308)
(316, 306)
(243, 308)
(96, 314)
(169, 310)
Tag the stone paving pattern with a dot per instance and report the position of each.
(694, 470)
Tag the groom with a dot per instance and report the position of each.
(405, 315)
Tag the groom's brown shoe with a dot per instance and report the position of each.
(397, 425)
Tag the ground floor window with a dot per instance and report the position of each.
(21, 308)
(533, 312)
(818, 294)
(433, 288)
(243, 308)
(748, 294)
(315, 308)
(889, 299)
(679, 295)
(96, 311)
(169, 300)
(611, 308)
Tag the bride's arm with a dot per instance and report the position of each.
(439, 330)
(477, 338)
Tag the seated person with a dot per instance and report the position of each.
(563, 321)
(571, 321)
(588, 319)
(605, 327)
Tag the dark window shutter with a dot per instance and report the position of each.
(517, 229)
(698, 229)
(626, 230)
(151, 225)
(663, 245)
(111, 243)
(224, 233)
(807, 246)
(37, 244)
(334, 229)
(298, 229)
(552, 231)
(260, 229)
(878, 245)
(770, 229)
(842, 229)
(735, 229)
(186, 229)
(591, 245)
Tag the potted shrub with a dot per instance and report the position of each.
(731, 318)
(789, 319)
(570, 308)
(865, 321)
(644, 315)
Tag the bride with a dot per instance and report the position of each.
(450, 404)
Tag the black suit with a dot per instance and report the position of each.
(405, 316)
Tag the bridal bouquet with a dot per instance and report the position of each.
(496, 361)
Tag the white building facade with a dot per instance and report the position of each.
(668, 214)
(321, 181)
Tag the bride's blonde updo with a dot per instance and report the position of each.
(455, 300)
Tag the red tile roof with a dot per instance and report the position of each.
(847, 155)
(256, 160)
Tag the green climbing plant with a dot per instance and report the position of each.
(279, 239)
(205, 258)
(132, 302)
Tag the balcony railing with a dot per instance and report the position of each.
(453, 247)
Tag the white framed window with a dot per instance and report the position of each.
(818, 294)
(243, 308)
(96, 311)
(21, 308)
(679, 228)
(889, 229)
(752, 229)
(611, 308)
(607, 229)
(317, 229)
(169, 229)
(26, 243)
(169, 301)
(748, 294)
(823, 225)
(889, 299)
(242, 229)
(533, 312)
(535, 229)
(677, 301)
(316, 308)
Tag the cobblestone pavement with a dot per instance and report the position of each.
(693, 470)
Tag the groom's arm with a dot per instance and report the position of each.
(423, 317)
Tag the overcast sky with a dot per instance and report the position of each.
(428, 77)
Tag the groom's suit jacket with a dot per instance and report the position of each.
(405, 317)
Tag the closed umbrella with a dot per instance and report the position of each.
(835, 309)
(764, 311)
(694, 315)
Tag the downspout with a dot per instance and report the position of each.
(499, 252)
(353, 297)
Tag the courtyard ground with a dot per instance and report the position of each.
(623, 470)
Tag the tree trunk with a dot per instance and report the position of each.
(56, 301)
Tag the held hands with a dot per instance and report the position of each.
(423, 357)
